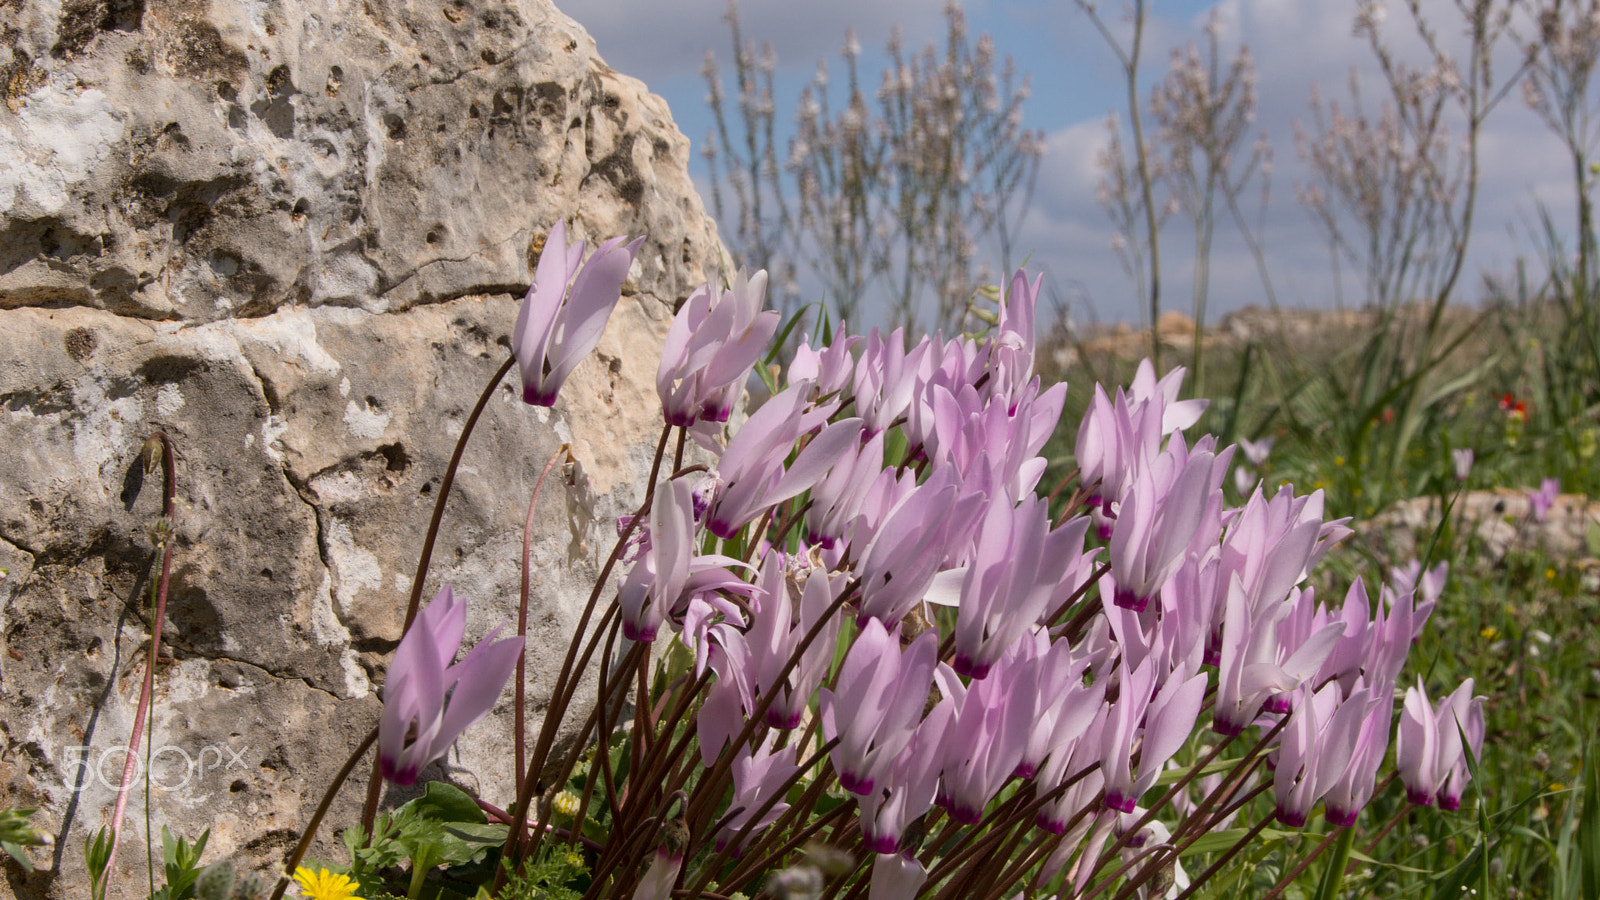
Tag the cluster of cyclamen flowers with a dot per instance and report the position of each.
(1071, 660)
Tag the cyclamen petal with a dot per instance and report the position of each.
(759, 774)
(1351, 791)
(1162, 507)
(1011, 580)
(1317, 749)
(887, 690)
(896, 877)
(557, 326)
(1430, 753)
(427, 702)
(714, 341)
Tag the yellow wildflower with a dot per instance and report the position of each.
(1489, 633)
(325, 885)
(1549, 574)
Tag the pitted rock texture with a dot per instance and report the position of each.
(186, 160)
(294, 237)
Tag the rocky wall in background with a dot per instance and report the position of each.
(294, 236)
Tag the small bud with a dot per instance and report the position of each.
(150, 455)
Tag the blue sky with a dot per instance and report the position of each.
(1076, 83)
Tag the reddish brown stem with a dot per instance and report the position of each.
(369, 810)
(160, 445)
(522, 613)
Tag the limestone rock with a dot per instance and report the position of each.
(294, 237)
(1501, 521)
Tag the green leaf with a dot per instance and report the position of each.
(446, 803)
(182, 862)
(97, 853)
(1215, 841)
(1589, 825)
(16, 833)
(466, 844)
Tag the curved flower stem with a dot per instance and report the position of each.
(710, 786)
(643, 726)
(973, 880)
(758, 856)
(1172, 792)
(659, 761)
(635, 844)
(157, 447)
(1345, 835)
(709, 870)
(500, 816)
(1229, 784)
(959, 854)
(522, 613)
(322, 810)
(1071, 630)
(750, 869)
(1036, 852)
(566, 682)
(1176, 849)
(369, 811)
(1061, 485)
(1226, 857)
(602, 741)
(1372, 846)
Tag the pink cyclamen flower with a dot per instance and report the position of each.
(1429, 750)
(910, 786)
(1318, 748)
(895, 877)
(910, 546)
(667, 574)
(774, 634)
(427, 702)
(882, 692)
(1351, 791)
(985, 741)
(759, 774)
(1167, 720)
(1255, 665)
(714, 342)
(751, 476)
(1163, 505)
(557, 327)
(661, 876)
(1256, 452)
(829, 368)
(1010, 581)
(886, 379)
(1544, 498)
(1013, 354)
